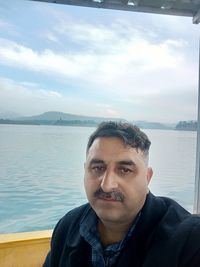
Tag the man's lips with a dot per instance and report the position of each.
(109, 199)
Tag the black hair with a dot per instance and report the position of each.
(130, 134)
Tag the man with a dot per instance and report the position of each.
(124, 225)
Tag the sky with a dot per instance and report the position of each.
(97, 62)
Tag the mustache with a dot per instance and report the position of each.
(115, 195)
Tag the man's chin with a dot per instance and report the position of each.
(109, 214)
(111, 218)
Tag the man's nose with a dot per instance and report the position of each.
(109, 181)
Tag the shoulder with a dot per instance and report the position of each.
(182, 228)
(68, 225)
(175, 230)
(169, 217)
(169, 207)
(65, 234)
(180, 216)
(193, 224)
(164, 208)
(191, 247)
(74, 214)
(177, 215)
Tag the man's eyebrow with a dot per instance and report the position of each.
(127, 162)
(96, 161)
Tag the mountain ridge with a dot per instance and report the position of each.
(57, 115)
(69, 119)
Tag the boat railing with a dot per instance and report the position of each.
(27, 249)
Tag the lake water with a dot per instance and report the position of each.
(41, 172)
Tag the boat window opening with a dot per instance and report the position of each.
(63, 73)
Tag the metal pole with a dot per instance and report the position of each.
(197, 171)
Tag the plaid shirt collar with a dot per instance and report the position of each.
(102, 257)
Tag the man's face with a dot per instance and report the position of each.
(116, 180)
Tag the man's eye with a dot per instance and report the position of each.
(98, 168)
(125, 170)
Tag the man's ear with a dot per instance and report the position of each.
(149, 174)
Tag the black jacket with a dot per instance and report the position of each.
(166, 235)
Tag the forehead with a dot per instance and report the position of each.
(112, 148)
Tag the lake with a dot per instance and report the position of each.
(41, 172)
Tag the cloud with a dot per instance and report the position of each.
(11, 88)
(25, 98)
(30, 99)
(50, 36)
(93, 35)
(168, 106)
(4, 24)
(8, 28)
(126, 63)
(129, 62)
(46, 62)
(106, 110)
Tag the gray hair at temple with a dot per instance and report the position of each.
(130, 135)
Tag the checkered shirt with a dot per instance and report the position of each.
(102, 257)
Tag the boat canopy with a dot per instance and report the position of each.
(189, 8)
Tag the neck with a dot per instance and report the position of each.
(112, 232)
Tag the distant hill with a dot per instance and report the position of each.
(153, 125)
(68, 119)
(186, 126)
(61, 116)
(9, 115)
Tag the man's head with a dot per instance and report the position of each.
(116, 171)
